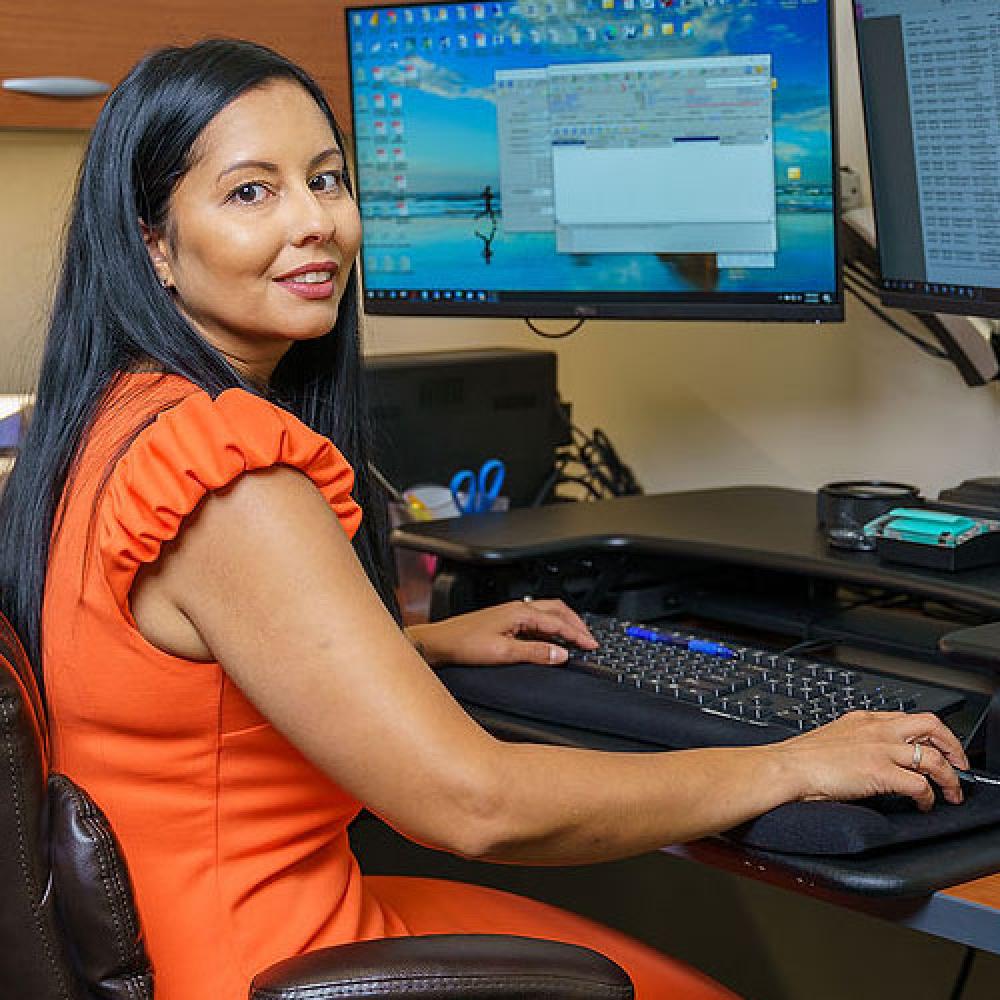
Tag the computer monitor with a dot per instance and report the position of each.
(608, 158)
(929, 71)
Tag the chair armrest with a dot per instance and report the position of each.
(446, 967)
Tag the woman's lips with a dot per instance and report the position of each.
(318, 283)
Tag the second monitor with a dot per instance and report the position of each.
(930, 82)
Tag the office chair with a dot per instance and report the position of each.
(69, 929)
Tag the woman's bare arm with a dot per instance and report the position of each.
(265, 578)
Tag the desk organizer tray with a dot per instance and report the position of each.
(935, 539)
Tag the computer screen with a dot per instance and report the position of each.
(930, 73)
(620, 158)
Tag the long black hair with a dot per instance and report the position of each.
(110, 315)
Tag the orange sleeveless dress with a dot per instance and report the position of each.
(237, 844)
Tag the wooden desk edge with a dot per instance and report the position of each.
(985, 891)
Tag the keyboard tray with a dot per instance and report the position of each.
(590, 705)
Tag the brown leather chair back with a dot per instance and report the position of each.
(68, 924)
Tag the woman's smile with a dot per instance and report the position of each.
(311, 281)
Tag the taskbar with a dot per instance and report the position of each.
(937, 296)
(801, 306)
(488, 296)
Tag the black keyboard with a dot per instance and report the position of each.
(748, 684)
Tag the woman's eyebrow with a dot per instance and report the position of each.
(327, 154)
(265, 165)
(333, 153)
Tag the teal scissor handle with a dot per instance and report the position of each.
(475, 494)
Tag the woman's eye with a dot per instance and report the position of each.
(249, 194)
(329, 180)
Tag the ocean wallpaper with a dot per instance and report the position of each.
(425, 128)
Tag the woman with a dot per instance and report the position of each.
(221, 674)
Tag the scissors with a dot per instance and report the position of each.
(474, 494)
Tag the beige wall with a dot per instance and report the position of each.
(687, 404)
(37, 173)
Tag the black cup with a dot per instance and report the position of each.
(844, 508)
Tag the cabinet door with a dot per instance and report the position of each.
(102, 39)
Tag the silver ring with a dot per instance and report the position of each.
(918, 756)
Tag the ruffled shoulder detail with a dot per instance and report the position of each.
(196, 447)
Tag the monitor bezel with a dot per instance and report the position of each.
(617, 306)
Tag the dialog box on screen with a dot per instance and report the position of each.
(672, 156)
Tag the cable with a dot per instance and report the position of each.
(807, 645)
(589, 465)
(865, 275)
(554, 336)
(855, 286)
(963, 973)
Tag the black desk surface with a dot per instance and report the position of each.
(757, 526)
(751, 526)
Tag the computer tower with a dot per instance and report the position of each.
(436, 412)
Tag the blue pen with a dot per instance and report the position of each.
(694, 645)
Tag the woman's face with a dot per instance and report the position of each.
(261, 232)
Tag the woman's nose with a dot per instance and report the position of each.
(310, 220)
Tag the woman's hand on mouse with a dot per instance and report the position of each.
(878, 753)
(515, 632)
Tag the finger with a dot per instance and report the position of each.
(934, 765)
(544, 621)
(566, 613)
(531, 651)
(909, 727)
(573, 627)
(914, 786)
(947, 743)
(928, 728)
(904, 780)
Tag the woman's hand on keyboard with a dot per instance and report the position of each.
(875, 753)
(516, 632)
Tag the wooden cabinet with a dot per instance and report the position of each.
(102, 39)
